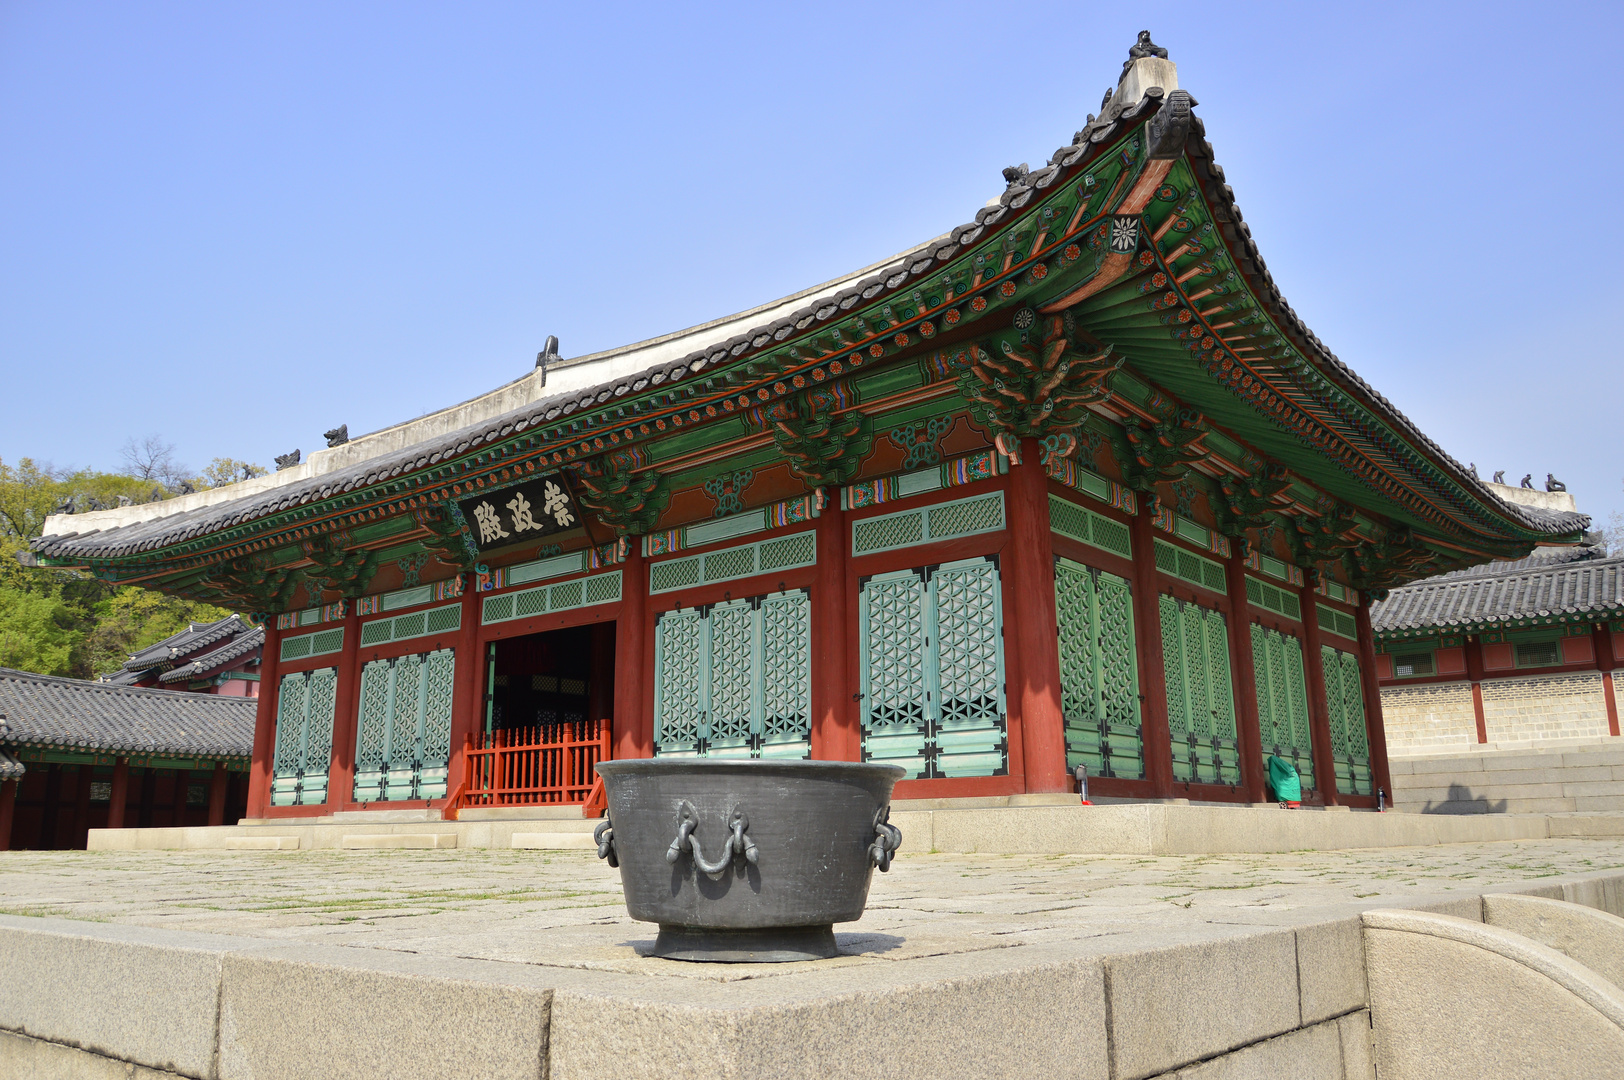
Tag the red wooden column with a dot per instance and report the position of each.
(1604, 642)
(1248, 736)
(834, 716)
(177, 805)
(1031, 633)
(8, 808)
(120, 793)
(1319, 716)
(634, 727)
(53, 808)
(1373, 698)
(601, 678)
(1152, 672)
(217, 794)
(1474, 671)
(341, 770)
(259, 773)
(466, 715)
(81, 805)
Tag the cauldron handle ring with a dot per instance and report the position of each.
(604, 836)
(887, 839)
(738, 844)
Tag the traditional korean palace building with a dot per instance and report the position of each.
(220, 657)
(1069, 484)
(1518, 651)
(77, 755)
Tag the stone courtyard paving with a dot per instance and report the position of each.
(564, 908)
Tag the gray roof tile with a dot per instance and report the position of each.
(176, 647)
(1504, 594)
(45, 710)
(226, 655)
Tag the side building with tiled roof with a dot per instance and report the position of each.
(77, 755)
(1516, 652)
(220, 657)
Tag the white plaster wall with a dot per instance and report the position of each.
(1535, 497)
(1542, 707)
(1429, 718)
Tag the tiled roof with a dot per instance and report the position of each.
(47, 711)
(209, 663)
(10, 767)
(176, 647)
(1505, 594)
(903, 273)
(1541, 558)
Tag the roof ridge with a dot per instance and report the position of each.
(1449, 581)
(103, 687)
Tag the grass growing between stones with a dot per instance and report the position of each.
(566, 908)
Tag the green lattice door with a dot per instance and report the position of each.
(403, 736)
(1099, 671)
(1345, 706)
(932, 660)
(304, 737)
(1282, 699)
(1200, 695)
(735, 679)
(786, 676)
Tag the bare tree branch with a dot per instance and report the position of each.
(151, 458)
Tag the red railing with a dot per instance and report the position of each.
(549, 765)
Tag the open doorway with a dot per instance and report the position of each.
(549, 698)
(552, 678)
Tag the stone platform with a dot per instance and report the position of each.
(1030, 824)
(514, 963)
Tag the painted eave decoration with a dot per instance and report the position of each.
(1116, 282)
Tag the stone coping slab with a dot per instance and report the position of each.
(492, 963)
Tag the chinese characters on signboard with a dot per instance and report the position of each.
(527, 511)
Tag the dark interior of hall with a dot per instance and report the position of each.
(58, 804)
(549, 679)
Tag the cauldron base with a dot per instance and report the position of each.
(771, 945)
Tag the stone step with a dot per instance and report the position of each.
(558, 841)
(392, 841)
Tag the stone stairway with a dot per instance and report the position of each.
(1556, 779)
(1532, 991)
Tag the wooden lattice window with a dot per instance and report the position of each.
(1200, 694)
(1099, 671)
(304, 737)
(1345, 707)
(1411, 664)
(1539, 653)
(1282, 699)
(932, 662)
(735, 679)
(403, 736)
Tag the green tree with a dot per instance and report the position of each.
(132, 618)
(38, 632)
(224, 470)
(63, 622)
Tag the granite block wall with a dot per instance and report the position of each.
(1429, 718)
(1539, 707)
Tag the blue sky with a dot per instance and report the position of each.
(239, 225)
